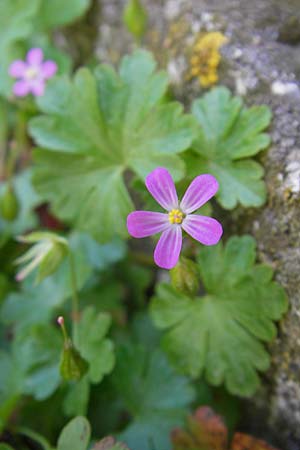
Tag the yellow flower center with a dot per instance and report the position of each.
(175, 216)
(31, 73)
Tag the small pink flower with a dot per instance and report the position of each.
(204, 229)
(32, 73)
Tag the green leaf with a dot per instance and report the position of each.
(92, 344)
(10, 386)
(16, 24)
(147, 383)
(75, 435)
(56, 13)
(228, 136)
(96, 127)
(221, 333)
(37, 352)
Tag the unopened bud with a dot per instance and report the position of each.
(72, 365)
(60, 321)
(9, 204)
(185, 277)
(47, 254)
(135, 18)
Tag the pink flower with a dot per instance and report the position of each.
(32, 73)
(204, 229)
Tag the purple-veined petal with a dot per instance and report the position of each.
(17, 69)
(204, 229)
(21, 88)
(201, 189)
(35, 56)
(168, 248)
(161, 186)
(146, 223)
(48, 69)
(37, 87)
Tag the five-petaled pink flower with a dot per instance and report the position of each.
(204, 229)
(32, 73)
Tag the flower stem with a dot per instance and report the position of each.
(3, 136)
(75, 300)
(19, 145)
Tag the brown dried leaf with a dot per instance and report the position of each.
(243, 441)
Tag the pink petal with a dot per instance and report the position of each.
(201, 189)
(48, 69)
(146, 223)
(35, 56)
(21, 88)
(161, 186)
(168, 248)
(17, 69)
(37, 88)
(204, 229)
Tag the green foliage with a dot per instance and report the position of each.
(56, 13)
(34, 304)
(220, 333)
(37, 356)
(135, 18)
(99, 134)
(147, 384)
(229, 134)
(75, 435)
(97, 349)
(10, 382)
(98, 126)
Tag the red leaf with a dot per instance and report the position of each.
(245, 442)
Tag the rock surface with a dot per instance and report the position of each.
(261, 62)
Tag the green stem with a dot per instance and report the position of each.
(3, 135)
(142, 258)
(75, 300)
(19, 145)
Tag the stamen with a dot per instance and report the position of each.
(175, 216)
(31, 73)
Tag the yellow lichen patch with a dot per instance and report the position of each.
(175, 216)
(206, 57)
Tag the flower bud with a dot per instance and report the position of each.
(185, 277)
(135, 18)
(9, 205)
(72, 365)
(47, 254)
